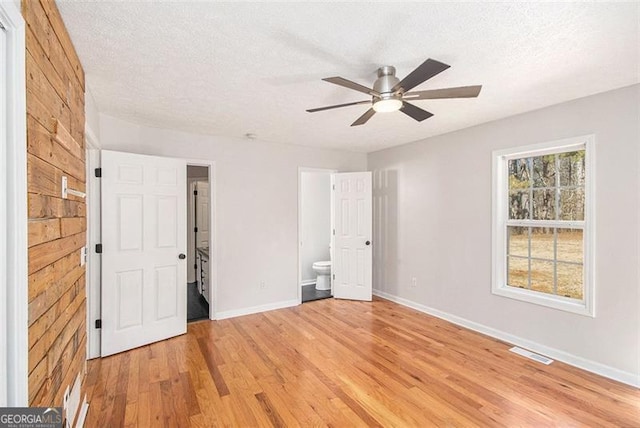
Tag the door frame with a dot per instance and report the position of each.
(13, 197)
(213, 249)
(94, 230)
(302, 169)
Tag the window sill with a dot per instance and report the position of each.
(554, 302)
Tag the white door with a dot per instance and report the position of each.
(144, 241)
(202, 214)
(352, 256)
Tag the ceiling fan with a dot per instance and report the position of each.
(391, 94)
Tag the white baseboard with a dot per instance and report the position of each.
(588, 365)
(256, 309)
(307, 282)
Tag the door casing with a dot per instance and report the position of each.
(14, 304)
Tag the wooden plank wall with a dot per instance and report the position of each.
(57, 227)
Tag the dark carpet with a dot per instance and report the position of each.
(197, 306)
(309, 293)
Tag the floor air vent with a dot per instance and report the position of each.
(531, 355)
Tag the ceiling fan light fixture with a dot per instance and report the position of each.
(387, 105)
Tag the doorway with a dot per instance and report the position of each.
(198, 231)
(315, 234)
(97, 311)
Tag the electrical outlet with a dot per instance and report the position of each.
(263, 285)
(414, 282)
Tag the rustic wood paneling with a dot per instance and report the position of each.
(57, 227)
(66, 140)
(43, 230)
(43, 146)
(42, 206)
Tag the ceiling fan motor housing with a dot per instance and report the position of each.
(386, 81)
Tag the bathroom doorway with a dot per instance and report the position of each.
(198, 236)
(314, 233)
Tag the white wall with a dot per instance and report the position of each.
(433, 221)
(92, 114)
(256, 204)
(316, 221)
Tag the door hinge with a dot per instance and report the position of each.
(195, 229)
(195, 192)
(333, 187)
(195, 266)
(334, 231)
(334, 276)
(98, 172)
(98, 323)
(99, 248)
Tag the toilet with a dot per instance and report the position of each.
(323, 270)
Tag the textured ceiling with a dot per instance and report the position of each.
(236, 68)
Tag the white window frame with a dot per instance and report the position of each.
(500, 216)
(13, 225)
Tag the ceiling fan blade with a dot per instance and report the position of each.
(415, 112)
(363, 119)
(425, 71)
(351, 85)
(459, 92)
(313, 110)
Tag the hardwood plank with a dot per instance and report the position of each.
(37, 379)
(42, 145)
(59, 29)
(269, 410)
(39, 88)
(43, 206)
(68, 331)
(46, 179)
(62, 324)
(43, 230)
(73, 225)
(58, 276)
(36, 21)
(44, 254)
(216, 376)
(62, 135)
(46, 307)
(189, 393)
(54, 76)
(70, 369)
(340, 363)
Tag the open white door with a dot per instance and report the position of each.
(202, 214)
(144, 241)
(352, 255)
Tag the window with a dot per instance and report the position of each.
(543, 224)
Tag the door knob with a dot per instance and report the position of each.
(367, 243)
(182, 256)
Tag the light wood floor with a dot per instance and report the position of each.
(338, 363)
